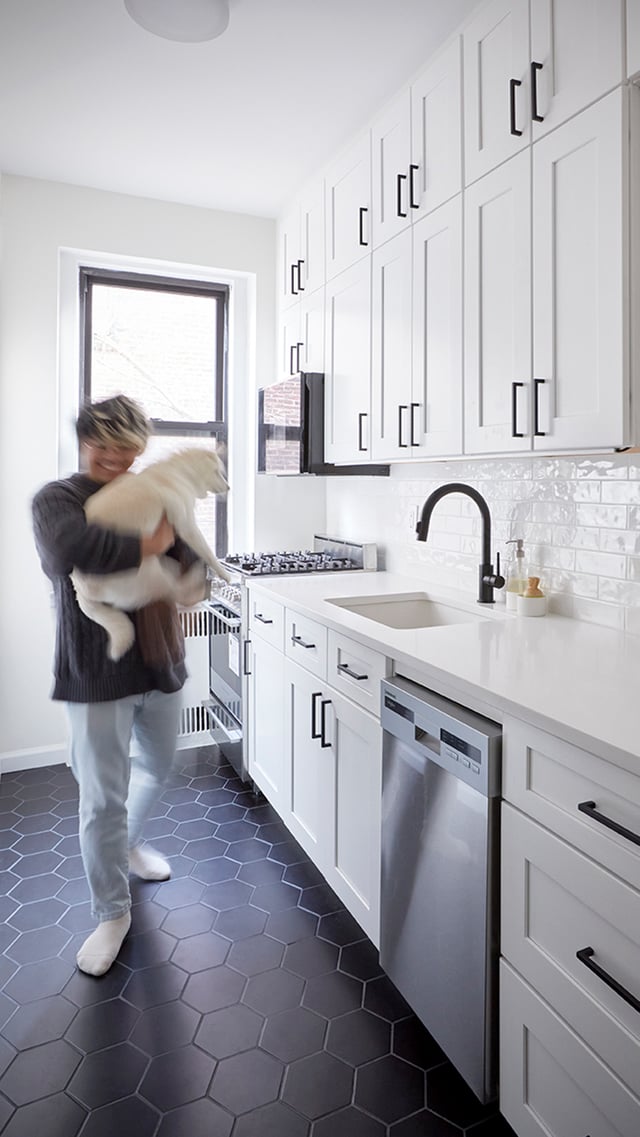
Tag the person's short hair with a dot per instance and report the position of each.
(118, 421)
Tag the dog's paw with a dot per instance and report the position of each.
(120, 642)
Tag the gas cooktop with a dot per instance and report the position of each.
(327, 555)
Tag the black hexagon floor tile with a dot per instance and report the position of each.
(246, 1001)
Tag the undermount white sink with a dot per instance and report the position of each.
(406, 610)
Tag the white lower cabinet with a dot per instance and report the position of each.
(315, 753)
(334, 760)
(570, 940)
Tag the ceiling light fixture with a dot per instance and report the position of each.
(186, 21)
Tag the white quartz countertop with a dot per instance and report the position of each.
(578, 680)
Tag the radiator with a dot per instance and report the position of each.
(194, 722)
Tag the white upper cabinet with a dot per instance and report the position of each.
(391, 349)
(436, 402)
(390, 162)
(310, 346)
(579, 295)
(435, 172)
(576, 56)
(348, 207)
(496, 85)
(497, 288)
(348, 365)
(301, 266)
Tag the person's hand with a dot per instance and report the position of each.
(159, 541)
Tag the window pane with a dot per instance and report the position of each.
(159, 347)
(163, 446)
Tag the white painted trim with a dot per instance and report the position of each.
(33, 759)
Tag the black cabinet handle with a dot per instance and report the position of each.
(315, 733)
(300, 642)
(300, 284)
(584, 955)
(402, 407)
(261, 618)
(589, 807)
(536, 408)
(515, 433)
(412, 202)
(412, 438)
(399, 180)
(535, 67)
(292, 369)
(361, 417)
(344, 667)
(513, 83)
(294, 290)
(298, 346)
(245, 665)
(361, 212)
(323, 725)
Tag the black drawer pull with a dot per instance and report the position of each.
(245, 665)
(300, 642)
(262, 619)
(400, 178)
(589, 807)
(294, 290)
(515, 433)
(361, 417)
(536, 116)
(401, 407)
(300, 284)
(315, 733)
(361, 212)
(412, 202)
(412, 439)
(537, 383)
(584, 955)
(323, 706)
(344, 667)
(513, 83)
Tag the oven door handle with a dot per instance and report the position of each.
(232, 623)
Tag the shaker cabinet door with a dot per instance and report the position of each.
(570, 70)
(348, 207)
(496, 85)
(436, 132)
(580, 369)
(348, 365)
(390, 161)
(497, 348)
(391, 408)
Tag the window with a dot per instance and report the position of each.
(163, 342)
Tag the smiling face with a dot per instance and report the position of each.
(103, 462)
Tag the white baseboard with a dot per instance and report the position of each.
(32, 759)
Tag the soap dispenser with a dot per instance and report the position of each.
(516, 575)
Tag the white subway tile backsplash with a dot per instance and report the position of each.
(578, 516)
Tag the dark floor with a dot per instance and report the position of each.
(246, 1002)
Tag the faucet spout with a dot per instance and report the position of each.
(488, 580)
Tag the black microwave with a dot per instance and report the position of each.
(291, 430)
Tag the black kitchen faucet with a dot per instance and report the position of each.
(488, 579)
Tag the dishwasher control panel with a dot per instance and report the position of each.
(457, 739)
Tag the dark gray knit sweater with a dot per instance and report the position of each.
(83, 673)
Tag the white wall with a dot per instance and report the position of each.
(37, 219)
(579, 517)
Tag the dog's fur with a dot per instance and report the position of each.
(135, 504)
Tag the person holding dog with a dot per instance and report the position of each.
(109, 703)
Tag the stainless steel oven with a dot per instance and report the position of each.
(226, 664)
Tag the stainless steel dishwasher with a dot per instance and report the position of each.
(440, 872)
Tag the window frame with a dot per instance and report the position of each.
(217, 428)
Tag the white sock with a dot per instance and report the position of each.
(101, 948)
(148, 864)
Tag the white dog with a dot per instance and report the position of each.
(135, 504)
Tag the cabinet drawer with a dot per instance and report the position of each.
(552, 1085)
(306, 642)
(550, 780)
(356, 671)
(266, 619)
(556, 903)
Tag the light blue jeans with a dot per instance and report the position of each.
(118, 790)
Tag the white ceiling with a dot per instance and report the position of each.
(239, 123)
